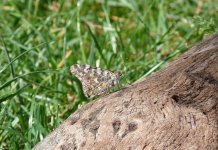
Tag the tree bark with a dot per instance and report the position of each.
(175, 108)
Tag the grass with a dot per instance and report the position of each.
(40, 40)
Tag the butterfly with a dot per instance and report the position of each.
(95, 81)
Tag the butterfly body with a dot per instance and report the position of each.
(95, 81)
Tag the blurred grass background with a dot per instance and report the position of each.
(40, 40)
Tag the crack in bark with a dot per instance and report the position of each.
(94, 127)
(116, 126)
(132, 126)
(92, 116)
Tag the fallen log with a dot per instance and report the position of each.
(175, 108)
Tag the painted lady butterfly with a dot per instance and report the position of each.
(95, 81)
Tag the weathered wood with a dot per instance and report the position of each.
(175, 108)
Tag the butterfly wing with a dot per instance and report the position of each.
(100, 84)
(80, 70)
(95, 81)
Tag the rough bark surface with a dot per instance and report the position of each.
(175, 108)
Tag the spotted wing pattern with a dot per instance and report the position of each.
(95, 81)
